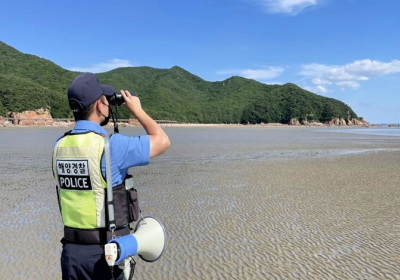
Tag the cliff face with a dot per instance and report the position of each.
(334, 122)
(37, 117)
(347, 122)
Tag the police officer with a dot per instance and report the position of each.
(80, 171)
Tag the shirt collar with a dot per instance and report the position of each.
(83, 126)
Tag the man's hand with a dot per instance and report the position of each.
(131, 102)
(159, 141)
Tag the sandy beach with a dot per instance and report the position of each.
(237, 203)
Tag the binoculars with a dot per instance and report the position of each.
(117, 99)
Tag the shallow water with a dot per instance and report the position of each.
(389, 131)
(238, 203)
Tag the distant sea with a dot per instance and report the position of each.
(395, 131)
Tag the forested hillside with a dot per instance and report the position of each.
(28, 82)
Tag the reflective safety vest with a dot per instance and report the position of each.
(82, 191)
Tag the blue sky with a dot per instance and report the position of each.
(345, 49)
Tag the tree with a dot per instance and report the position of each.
(327, 113)
(3, 110)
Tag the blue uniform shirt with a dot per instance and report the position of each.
(125, 151)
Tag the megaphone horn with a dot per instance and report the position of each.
(148, 241)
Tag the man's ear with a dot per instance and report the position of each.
(97, 105)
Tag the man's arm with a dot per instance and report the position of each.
(159, 141)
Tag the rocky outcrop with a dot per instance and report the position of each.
(37, 117)
(333, 122)
(294, 122)
(358, 122)
(347, 122)
(337, 122)
(354, 122)
(306, 123)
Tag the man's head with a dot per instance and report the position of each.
(88, 97)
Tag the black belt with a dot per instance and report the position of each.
(92, 236)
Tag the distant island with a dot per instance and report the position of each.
(28, 83)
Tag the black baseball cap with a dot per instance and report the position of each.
(85, 89)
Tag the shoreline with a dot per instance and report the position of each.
(124, 124)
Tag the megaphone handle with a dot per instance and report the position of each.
(133, 265)
(141, 215)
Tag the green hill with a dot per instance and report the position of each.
(28, 82)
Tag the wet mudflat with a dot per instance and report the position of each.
(238, 203)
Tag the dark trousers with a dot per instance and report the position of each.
(83, 261)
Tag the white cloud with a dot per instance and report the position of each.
(321, 82)
(319, 89)
(348, 75)
(255, 74)
(322, 89)
(350, 84)
(291, 7)
(104, 66)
